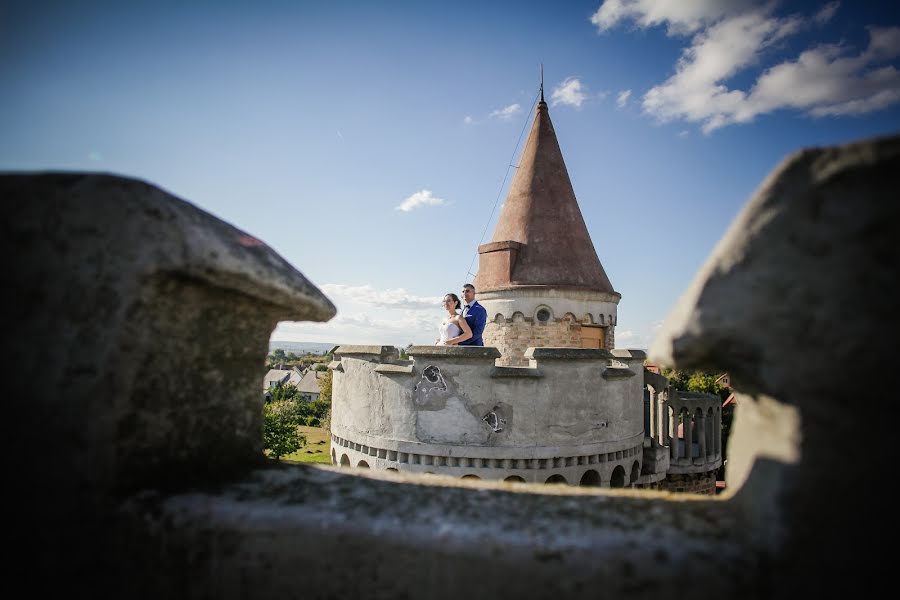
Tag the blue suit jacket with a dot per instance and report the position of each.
(476, 317)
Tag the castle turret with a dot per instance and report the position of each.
(539, 277)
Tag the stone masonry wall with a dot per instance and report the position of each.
(692, 483)
(514, 336)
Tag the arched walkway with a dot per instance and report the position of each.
(514, 479)
(556, 479)
(635, 472)
(345, 461)
(362, 465)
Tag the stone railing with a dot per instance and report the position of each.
(698, 419)
(133, 453)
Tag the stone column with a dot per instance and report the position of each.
(702, 433)
(673, 432)
(689, 436)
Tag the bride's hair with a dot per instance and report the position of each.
(456, 302)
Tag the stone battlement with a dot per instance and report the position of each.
(569, 409)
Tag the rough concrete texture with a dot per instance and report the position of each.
(806, 283)
(137, 334)
(451, 411)
(439, 408)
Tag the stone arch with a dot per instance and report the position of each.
(514, 479)
(617, 480)
(635, 472)
(543, 315)
(588, 319)
(591, 478)
(345, 460)
(362, 465)
(569, 317)
(392, 469)
(518, 317)
(333, 457)
(499, 319)
(557, 478)
(470, 476)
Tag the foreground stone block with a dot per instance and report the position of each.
(138, 330)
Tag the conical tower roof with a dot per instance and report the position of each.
(540, 238)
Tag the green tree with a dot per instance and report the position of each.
(284, 391)
(280, 433)
(278, 355)
(325, 387)
(706, 383)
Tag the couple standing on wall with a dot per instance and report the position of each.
(462, 329)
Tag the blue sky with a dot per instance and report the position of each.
(367, 143)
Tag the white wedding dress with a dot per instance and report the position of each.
(448, 331)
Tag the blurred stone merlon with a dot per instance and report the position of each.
(798, 302)
(138, 330)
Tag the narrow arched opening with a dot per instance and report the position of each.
(617, 480)
(591, 478)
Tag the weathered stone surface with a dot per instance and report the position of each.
(567, 354)
(805, 282)
(457, 352)
(138, 328)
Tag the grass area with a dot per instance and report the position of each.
(317, 448)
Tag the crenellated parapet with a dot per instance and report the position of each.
(572, 415)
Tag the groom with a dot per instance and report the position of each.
(475, 316)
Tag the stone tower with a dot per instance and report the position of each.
(539, 277)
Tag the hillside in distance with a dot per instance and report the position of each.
(300, 348)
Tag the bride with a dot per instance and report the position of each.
(453, 328)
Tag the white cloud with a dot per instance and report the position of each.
(568, 92)
(468, 120)
(826, 12)
(622, 98)
(389, 298)
(420, 198)
(362, 328)
(730, 37)
(505, 113)
(680, 16)
(683, 133)
(368, 315)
